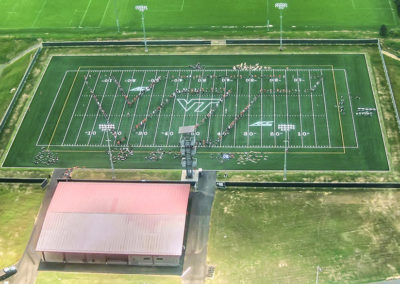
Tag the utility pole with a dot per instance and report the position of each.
(319, 269)
(141, 9)
(281, 6)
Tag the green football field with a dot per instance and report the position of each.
(194, 15)
(249, 112)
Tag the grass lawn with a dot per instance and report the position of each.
(189, 15)
(50, 277)
(10, 78)
(258, 236)
(308, 96)
(393, 67)
(19, 205)
(9, 47)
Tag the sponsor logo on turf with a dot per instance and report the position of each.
(262, 123)
(140, 89)
(198, 105)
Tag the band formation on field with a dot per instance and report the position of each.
(241, 107)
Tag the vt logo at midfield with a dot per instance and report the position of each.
(198, 105)
(262, 123)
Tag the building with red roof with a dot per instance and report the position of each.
(124, 223)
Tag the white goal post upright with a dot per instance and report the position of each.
(141, 9)
(281, 6)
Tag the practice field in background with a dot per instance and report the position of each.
(171, 15)
(319, 109)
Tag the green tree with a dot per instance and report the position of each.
(383, 31)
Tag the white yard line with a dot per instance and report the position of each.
(51, 108)
(172, 113)
(112, 106)
(287, 111)
(236, 107)
(125, 102)
(201, 86)
(39, 13)
(301, 119)
(351, 107)
(312, 107)
(147, 112)
(261, 127)
(326, 111)
(273, 96)
(209, 119)
(87, 107)
(159, 113)
(84, 14)
(187, 97)
(104, 14)
(98, 111)
(248, 113)
(76, 104)
(136, 105)
(223, 109)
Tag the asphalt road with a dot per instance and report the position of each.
(195, 264)
(28, 264)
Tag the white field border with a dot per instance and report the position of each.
(220, 146)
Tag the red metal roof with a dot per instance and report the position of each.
(116, 218)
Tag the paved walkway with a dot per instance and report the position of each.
(19, 55)
(28, 264)
(195, 264)
(391, 55)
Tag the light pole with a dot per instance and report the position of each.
(141, 9)
(285, 161)
(281, 6)
(106, 128)
(319, 269)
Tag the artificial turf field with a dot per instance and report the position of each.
(312, 105)
(171, 15)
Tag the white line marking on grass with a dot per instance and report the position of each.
(125, 103)
(201, 86)
(248, 113)
(104, 14)
(287, 110)
(84, 14)
(134, 114)
(112, 106)
(326, 112)
(147, 113)
(76, 104)
(87, 107)
(51, 108)
(223, 109)
(173, 108)
(98, 110)
(312, 107)
(209, 119)
(187, 96)
(301, 119)
(236, 106)
(261, 115)
(39, 13)
(351, 107)
(273, 96)
(159, 113)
